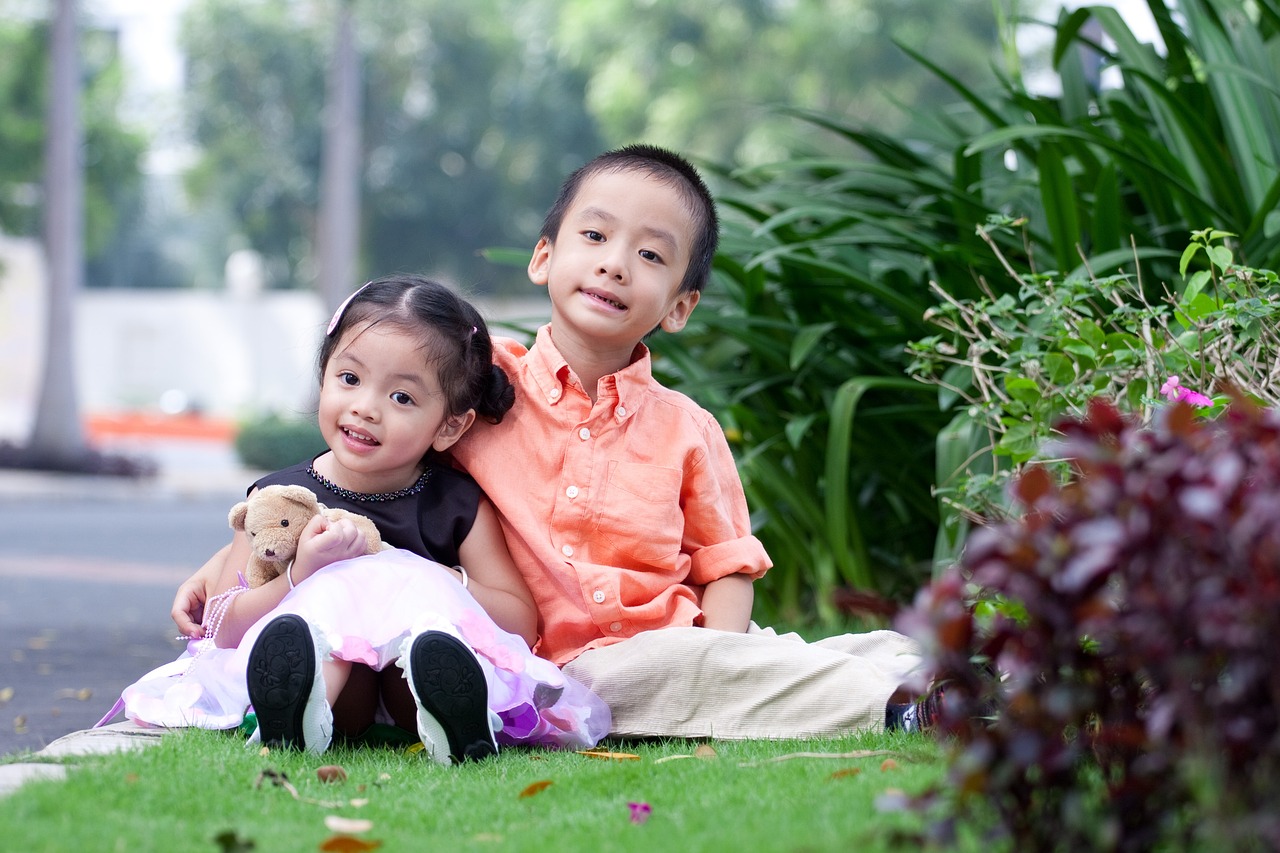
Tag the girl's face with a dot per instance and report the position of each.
(381, 409)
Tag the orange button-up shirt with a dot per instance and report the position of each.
(616, 512)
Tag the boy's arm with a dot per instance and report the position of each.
(726, 603)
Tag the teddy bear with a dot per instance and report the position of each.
(273, 518)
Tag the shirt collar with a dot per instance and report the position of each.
(551, 373)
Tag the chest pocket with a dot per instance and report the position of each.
(640, 516)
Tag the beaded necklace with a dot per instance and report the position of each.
(379, 497)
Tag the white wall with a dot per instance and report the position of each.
(230, 354)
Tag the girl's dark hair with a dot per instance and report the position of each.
(454, 338)
(666, 166)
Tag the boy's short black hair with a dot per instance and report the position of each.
(665, 166)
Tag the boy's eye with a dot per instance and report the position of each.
(402, 398)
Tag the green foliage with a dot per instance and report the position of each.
(1022, 361)
(112, 150)
(272, 443)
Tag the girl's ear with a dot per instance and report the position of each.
(540, 263)
(453, 429)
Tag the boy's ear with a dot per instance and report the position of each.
(680, 310)
(540, 263)
(452, 429)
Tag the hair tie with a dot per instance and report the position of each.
(337, 315)
(473, 332)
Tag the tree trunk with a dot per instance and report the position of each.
(338, 237)
(57, 433)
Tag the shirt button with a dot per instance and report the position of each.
(621, 411)
(554, 394)
(567, 550)
(615, 627)
(584, 433)
(572, 491)
(598, 596)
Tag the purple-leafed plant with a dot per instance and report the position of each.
(1138, 639)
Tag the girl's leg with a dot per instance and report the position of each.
(353, 694)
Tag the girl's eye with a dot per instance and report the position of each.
(402, 398)
(346, 377)
(594, 236)
(650, 255)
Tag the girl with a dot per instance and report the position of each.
(405, 369)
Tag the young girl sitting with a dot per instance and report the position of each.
(405, 369)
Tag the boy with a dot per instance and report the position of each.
(621, 502)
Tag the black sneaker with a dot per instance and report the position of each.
(448, 686)
(286, 687)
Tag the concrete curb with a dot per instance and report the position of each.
(118, 737)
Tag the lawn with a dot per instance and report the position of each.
(205, 791)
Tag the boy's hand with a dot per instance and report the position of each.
(324, 542)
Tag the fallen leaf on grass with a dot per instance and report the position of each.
(704, 751)
(535, 788)
(848, 771)
(606, 754)
(348, 825)
(331, 773)
(859, 753)
(888, 764)
(347, 844)
(280, 780)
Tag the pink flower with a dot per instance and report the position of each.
(1174, 391)
(640, 812)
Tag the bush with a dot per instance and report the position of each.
(1136, 637)
(273, 442)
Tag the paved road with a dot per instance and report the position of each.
(88, 568)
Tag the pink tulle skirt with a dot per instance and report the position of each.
(366, 607)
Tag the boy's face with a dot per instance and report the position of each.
(615, 268)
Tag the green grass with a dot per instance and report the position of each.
(750, 796)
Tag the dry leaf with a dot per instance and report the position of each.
(705, 751)
(20, 724)
(848, 771)
(535, 788)
(84, 694)
(37, 644)
(349, 825)
(6, 694)
(664, 759)
(604, 753)
(266, 750)
(331, 773)
(347, 844)
(131, 778)
(888, 764)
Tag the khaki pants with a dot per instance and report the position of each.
(700, 683)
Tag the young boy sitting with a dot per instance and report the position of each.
(620, 500)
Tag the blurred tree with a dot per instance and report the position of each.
(340, 166)
(112, 152)
(468, 127)
(710, 78)
(57, 433)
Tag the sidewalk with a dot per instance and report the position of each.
(104, 556)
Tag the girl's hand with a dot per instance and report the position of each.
(324, 542)
(188, 608)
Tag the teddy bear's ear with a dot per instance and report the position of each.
(302, 496)
(236, 517)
